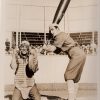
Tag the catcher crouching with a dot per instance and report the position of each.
(25, 64)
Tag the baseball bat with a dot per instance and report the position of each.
(57, 11)
(60, 12)
(61, 9)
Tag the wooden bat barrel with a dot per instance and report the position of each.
(60, 12)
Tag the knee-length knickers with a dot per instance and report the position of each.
(75, 66)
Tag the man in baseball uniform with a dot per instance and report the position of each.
(25, 64)
(63, 42)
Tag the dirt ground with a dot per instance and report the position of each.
(62, 95)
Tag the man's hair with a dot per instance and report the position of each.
(54, 25)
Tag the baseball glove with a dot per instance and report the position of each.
(32, 66)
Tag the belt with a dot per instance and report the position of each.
(72, 47)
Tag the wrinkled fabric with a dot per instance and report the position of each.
(76, 55)
(22, 82)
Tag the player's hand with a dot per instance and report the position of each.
(44, 47)
(50, 48)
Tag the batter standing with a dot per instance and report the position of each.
(63, 42)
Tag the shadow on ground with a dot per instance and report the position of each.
(53, 97)
(43, 96)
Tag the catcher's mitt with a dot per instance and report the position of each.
(30, 72)
(32, 65)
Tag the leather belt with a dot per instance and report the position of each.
(72, 47)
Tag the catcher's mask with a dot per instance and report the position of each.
(24, 49)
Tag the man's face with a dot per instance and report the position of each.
(24, 49)
(53, 30)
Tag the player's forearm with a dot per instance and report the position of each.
(13, 64)
(32, 60)
(33, 63)
(50, 48)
